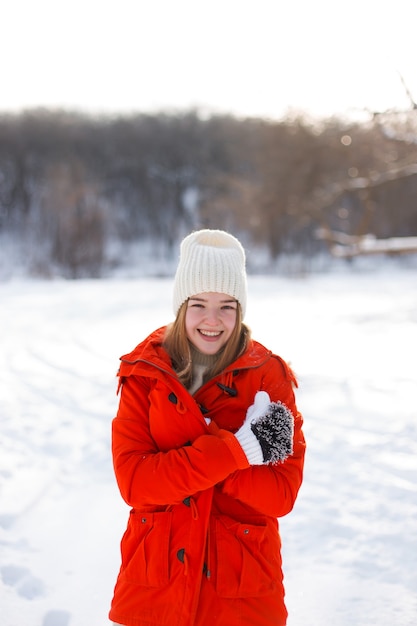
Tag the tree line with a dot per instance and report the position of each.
(77, 190)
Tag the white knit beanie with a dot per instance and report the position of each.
(210, 260)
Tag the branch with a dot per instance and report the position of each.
(408, 92)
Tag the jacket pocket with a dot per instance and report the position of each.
(144, 549)
(247, 562)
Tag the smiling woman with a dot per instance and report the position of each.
(208, 451)
(209, 321)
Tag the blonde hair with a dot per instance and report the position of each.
(177, 344)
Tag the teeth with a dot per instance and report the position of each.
(210, 333)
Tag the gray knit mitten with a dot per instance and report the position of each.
(274, 431)
(267, 432)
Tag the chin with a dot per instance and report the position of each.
(210, 348)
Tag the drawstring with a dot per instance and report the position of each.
(208, 572)
(194, 509)
(119, 384)
(229, 379)
(190, 502)
(181, 408)
(185, 564)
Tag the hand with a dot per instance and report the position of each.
(259, 406)
(266, 435)
(246, 436)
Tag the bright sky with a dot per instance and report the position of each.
(248, 57)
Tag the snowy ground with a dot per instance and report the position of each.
(350, 545)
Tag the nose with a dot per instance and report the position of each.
(211, 317)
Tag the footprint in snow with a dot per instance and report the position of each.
(56, 618)
(26, 585)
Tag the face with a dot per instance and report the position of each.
(209, 320)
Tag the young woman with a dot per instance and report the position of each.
(208, 451)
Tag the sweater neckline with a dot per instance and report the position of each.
(201, 359)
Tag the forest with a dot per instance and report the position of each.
(78, 193)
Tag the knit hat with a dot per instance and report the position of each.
(210, 260)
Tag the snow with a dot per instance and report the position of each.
(349, 545)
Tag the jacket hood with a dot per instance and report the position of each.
(147, 353)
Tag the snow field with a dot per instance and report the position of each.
(350, 544)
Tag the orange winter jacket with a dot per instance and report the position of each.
(202, 545)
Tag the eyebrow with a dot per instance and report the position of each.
(221, 301)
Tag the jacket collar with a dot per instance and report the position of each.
(150, 354)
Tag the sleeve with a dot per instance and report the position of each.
(272, 489)
(147, 476)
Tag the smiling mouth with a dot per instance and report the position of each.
(210, 333)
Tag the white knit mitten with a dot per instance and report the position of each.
(245, 435)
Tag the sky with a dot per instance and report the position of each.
(250, 58)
